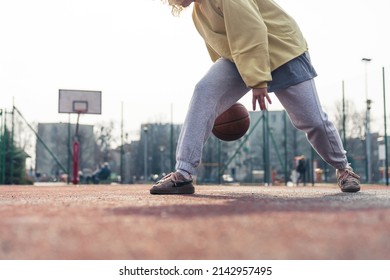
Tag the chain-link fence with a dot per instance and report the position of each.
(17, 144)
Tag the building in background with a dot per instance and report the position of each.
(53, 150)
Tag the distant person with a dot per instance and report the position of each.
(101, 174)
(255, 46)
(301, 170)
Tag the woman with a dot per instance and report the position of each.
(256, 46)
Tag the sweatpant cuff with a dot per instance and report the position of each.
(186, 167)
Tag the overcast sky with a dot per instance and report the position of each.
(137, 53)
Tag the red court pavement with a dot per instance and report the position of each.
(218, 222)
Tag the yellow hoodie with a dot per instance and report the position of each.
(257, 35)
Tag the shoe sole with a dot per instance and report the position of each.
(185, 189)
(350, 190)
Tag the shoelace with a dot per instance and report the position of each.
(165, 177)
(346, 173)
(171, 176)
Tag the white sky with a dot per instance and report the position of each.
(137, 53)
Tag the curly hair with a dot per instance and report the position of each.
(176, 6)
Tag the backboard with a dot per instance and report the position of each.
(80, 101)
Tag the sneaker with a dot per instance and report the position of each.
(173, 183)
(347, 180)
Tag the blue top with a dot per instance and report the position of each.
(291, 73)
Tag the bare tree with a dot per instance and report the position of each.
(104, 134)
(354, 126)
(354, 119)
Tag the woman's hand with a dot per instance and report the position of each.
(259, 96)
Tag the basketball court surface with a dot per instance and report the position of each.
(218, 222)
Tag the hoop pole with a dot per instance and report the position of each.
(76, 154)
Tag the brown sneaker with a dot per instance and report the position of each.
(173, 183)
(347, 180)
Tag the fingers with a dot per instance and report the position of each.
(254, 101)
(262, 104)
(268, 98)
(260, 96)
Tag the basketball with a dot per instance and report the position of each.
(232, 124)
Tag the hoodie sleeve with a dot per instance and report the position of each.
(248, 41)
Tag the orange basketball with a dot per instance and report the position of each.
(232, 124)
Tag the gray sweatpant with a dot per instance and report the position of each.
(223, 86)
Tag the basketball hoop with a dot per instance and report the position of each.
(80, 106)
(78, 102)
